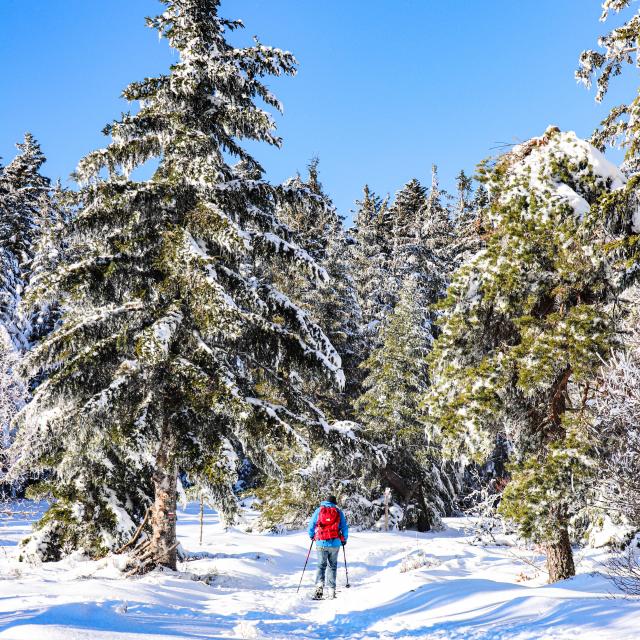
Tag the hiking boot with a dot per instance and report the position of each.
(317, 595)
(332, 594)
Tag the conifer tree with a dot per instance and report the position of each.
(24, 204)
(173, 352)
(370, 257)
(422, 238)
(318, 229)
(468, 225)
(621, 46)
(464, 188)
(409, 254)
(40, 311)
(314, 221)
(525, 326)
(397, 375)
(437, 237)
(396, 381)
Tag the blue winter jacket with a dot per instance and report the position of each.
(344, 527)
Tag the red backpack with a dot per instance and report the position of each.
(328, 525)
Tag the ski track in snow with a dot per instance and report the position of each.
(464, 592)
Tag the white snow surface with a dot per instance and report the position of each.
(457, 590)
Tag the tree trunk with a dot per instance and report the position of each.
(403, 490)
(560, 557)
(559, 554)
(424, 521)
(407, 493)
(163, 542)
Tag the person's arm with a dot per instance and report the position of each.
(344, 527)
(312, 524)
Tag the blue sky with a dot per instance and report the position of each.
(385, 87)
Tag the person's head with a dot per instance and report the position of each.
(332, 498)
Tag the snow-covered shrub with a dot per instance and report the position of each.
(417, 559)
(480, 503)
(102, 521)
(624, 568)
(607, 529)
(616, 427)
(482, 488)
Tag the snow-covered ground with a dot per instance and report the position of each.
(460, 591)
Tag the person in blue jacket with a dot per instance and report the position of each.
(329, 528)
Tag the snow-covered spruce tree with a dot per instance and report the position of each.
(526, 323)
(24, 203)
(41, 312)
(333, 305)
(173, 352)
(314, 221)
(464, 192)
(422, 237)
(468, 228)
(410, 255)
(370, 257)
(437, 235)
(344, 461)
(347, 465)
(389, 409)
(620, 47)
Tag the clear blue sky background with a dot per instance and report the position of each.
(385, 87)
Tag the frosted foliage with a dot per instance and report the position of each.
(613, 5)
(370, 255)
(12, 390)
(25, 210)
(616, 408)
(390, 410)
(536, 160)
(331, 302)
(617, 49)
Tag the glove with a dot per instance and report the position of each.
(344, 543)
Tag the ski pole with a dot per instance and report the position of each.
(305, 566)
(345, 565)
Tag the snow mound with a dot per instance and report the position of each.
(404, 585)
(532, 162)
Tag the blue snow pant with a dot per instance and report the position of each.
(327, 555)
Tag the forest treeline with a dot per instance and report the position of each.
(208, 333)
